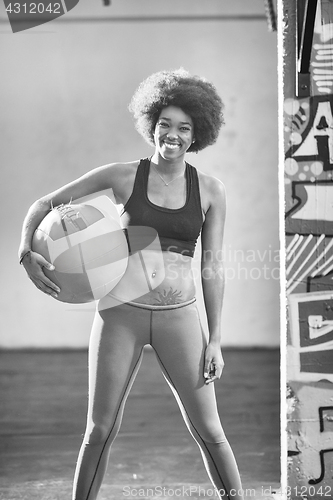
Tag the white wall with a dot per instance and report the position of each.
(64, 92)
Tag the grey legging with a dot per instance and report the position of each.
(115, 352)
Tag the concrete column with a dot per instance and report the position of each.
(308, 129)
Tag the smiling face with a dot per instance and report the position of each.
(173, 133)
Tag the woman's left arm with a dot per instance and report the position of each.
(212, 277)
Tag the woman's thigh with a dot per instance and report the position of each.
(179, 342)
(115, 351)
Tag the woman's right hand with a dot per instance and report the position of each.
(33, 264)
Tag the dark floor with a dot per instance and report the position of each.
(43, 404)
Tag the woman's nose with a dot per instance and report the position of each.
(172, 135)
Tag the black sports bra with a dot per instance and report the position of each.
(178, 229)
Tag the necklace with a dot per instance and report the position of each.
(167, 183)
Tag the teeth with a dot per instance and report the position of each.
(171, 146)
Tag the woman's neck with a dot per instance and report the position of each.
(175, 165)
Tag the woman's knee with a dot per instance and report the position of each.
(100, 433)
(211, 432)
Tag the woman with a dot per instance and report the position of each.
(154, 303)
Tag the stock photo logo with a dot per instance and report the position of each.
(25, 14)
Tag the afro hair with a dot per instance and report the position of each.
(196, 96)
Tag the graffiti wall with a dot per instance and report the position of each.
(308, 141)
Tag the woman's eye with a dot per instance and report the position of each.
(163, 124)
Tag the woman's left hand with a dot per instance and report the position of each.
(213, 363)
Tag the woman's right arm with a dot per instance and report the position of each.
(105, 177)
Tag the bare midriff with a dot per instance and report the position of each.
(156, 278)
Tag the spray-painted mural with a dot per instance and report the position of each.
(309, 268)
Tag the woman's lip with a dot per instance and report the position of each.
(172, 144)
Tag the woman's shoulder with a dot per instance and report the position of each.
(121, 177)
(210, 183)
(212, 191)
(119, 171)
(123, 167)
